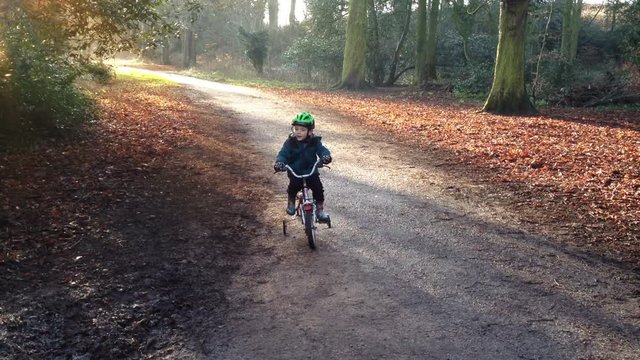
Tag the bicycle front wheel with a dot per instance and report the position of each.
(310, 228)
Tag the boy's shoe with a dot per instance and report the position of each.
(320, 214)
(291, 206)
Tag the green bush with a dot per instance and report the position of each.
(631, 33)
(39, 83)
(313, 55)
(100, 72)
(474, 81)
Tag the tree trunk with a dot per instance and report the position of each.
(292, 13)
(188, 48)
(508, 94)
(192, 50)
(432, 43)
(534, 86)
(355, 49)
(258, 21)
(273, 14)
(571, 21)
(375, 63)
(396, 54)
(166, 51)
(421, 42)
(576, 24)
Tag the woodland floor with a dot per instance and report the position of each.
(571, 173)
(85, 224)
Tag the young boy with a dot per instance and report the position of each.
(301, 151)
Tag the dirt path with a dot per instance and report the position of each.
(415, 266)
(419, 264)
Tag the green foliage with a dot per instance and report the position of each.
(41, 83)
(473, 81)
(630, 31)
(115, 24)
(312, 54)
(99, 72)
(327, 18)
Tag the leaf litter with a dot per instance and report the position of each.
(579, 168)
(119, 244)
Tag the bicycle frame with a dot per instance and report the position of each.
(306, 203)
(306, 206)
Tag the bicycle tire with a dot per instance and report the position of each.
(310, 229)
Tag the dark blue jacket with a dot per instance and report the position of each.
(301, 155)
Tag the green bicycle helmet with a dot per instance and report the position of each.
(304, 119)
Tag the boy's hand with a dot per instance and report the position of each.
(279, 166)
(326, 159)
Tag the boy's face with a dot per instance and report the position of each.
(300, 132)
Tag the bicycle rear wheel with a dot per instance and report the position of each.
(310, 228)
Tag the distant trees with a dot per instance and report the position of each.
(393, 67)
(497, 50)
(432, 35)
(421, 43)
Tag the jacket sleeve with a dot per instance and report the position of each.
(322, 150)
(283, 154)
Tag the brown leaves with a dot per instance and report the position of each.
(46, 195)
(590, 158)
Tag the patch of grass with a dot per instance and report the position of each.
(147, 78)
(272, 84)
(240, 81)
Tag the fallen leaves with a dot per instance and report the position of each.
(588, 160)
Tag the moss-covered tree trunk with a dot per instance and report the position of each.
(432, 41)
(508, 94)
(421, 42)
(355, 49)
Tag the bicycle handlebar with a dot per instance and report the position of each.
(319, 161)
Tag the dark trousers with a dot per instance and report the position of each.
(313, 182)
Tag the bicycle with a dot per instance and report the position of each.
(306, 207)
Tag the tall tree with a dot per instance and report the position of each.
(463, 16)
(292, 13)
(508, 94)
(259, 8)
(273, 14)
(421, 43)
(355, 49)
(571, 23)
(375, 63)
(432, 36)
(188, 48)
(396, 54)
